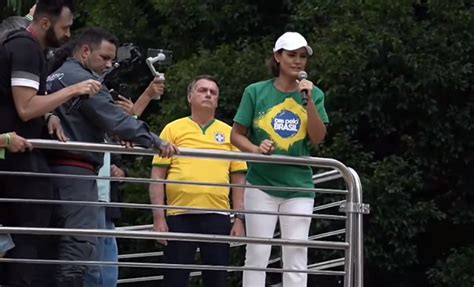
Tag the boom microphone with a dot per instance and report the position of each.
(302, 75)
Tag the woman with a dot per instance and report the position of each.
(274, 117)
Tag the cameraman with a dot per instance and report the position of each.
(109, 191)
(89, 121)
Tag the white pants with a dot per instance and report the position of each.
(257, 255)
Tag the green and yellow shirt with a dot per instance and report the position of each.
(185, 133)
(268, 113)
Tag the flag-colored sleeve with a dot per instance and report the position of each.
(237, 166)
(166, 135)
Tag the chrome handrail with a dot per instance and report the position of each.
(166, 181)
(352, 206)
(157, 206)
(169, 266)
(177, 236)
(199, 153)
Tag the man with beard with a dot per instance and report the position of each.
(23, 106)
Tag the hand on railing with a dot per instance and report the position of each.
(127, 144)
(167, 149)
(15, 143)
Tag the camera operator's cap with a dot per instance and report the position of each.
(291, 41)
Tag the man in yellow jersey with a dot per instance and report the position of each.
(199, 131)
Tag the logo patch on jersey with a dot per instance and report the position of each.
(55, 76)
(285, 123)
(220, 137)
(51, 78)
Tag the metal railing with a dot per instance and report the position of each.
(353, 208)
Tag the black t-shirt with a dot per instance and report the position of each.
(22, 63)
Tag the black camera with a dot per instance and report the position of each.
(128, 54)
(124, 91)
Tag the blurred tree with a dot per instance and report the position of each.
(398, 78)
(17, 7)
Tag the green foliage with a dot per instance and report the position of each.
(246, 63)
(15, 5)
(397, 215)
(456, 271)
(398, 78)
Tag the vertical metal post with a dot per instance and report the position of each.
(358, 249)
(349, 260)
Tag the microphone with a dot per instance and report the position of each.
(78, 100)
(302, 75)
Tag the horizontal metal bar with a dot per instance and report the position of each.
(167, 266)
(174, 236)
(153, 206)
(156, 278)
(150, 227)
(144, 227)
(329, 205)
(274, 260)
(141, 255)
(326, 176)
(314, 237)
(328, 234)
(166, 181)
(135, 227)
(148, 279)
(160, 253)
(327, 264)
(186, 152)
(319, 236)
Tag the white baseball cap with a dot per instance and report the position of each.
(291, 41)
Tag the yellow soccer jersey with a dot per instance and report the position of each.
(185, 133)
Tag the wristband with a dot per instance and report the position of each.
(8, 139)
(135, 117)
(29, 17)
(240, 216)
(2, 153)
(48, 117)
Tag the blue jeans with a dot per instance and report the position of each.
(110, 253)
(104, 276)
(6, 243)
